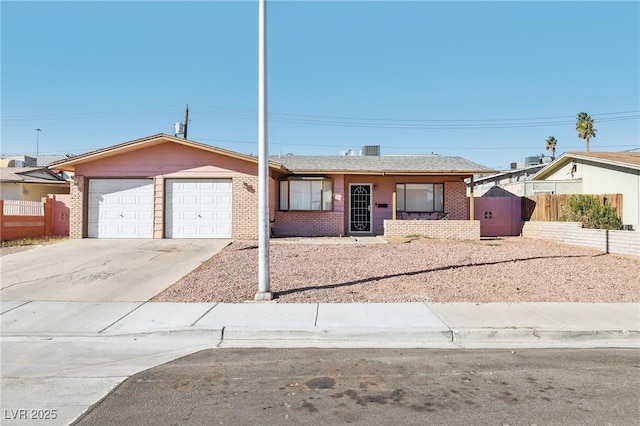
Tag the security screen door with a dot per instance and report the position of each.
(360, 208)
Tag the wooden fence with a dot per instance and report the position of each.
(548, 207)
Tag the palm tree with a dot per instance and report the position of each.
(585, 129)
(551, 146)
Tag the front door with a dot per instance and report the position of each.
(360, 208)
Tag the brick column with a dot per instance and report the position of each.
(76, 216)
(245, 208)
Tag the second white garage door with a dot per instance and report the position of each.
(198, 208)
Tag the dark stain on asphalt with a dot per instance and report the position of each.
(508, 398)
(321, 383)
(426, 407)
(180, 384)
(309, 407)
(394, 397)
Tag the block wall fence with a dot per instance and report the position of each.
(444, 229)
(54, 222)
(625, 243)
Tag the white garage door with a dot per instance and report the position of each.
(198, 208)
(120, 208)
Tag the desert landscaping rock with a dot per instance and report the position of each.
(504, 270)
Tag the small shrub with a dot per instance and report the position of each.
(591, 212)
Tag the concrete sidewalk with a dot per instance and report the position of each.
(420, 325)
(66, 356)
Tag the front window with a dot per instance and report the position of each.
(420, 197)
(306, 194)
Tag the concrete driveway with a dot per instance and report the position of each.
(106, 270)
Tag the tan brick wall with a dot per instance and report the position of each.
(626, 243)
(76, 213)
(309, 224)
(245, 208)
(443, 229)
(456, 202)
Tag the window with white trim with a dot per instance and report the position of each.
(420, 197)
(312, 193)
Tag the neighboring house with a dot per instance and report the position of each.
(18, 161)
(30, 183)
(29, 160)
(596, 173)
(167, 187)
(511, 181)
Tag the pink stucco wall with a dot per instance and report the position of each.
(499, 216)
(170, 160)
(60, 214)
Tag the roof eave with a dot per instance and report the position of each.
(604, 161)
(69, 165)
(391, 172)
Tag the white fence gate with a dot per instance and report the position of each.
(23, 208)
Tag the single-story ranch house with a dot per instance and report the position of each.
(162, 186)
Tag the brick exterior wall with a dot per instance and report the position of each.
(245, 208)
(443, 229)
(309, 224)
(76, 214)
(626, 243)
(456, 202)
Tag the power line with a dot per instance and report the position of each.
(429, 124)
(252, 113)
(340, 121)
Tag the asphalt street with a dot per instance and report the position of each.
(381, 386)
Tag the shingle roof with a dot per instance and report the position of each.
(434, 164)
(380, 164)
(29, 175)
(632, 158)
(45, 160)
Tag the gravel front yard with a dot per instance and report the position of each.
(504, 270)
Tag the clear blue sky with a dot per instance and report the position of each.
(488, 81)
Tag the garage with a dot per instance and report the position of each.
(120, 208)
(198, 208)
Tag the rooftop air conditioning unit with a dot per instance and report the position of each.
(371, 150)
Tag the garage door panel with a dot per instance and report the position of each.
(120, 208)
(198, 208)
(223, 185)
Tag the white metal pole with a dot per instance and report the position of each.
(264, 291)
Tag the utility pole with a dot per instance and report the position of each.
(264, 291)
(186, 121)
(38, 140)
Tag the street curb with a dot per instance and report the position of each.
(401, 336)
(213, 336)
(540, 337)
